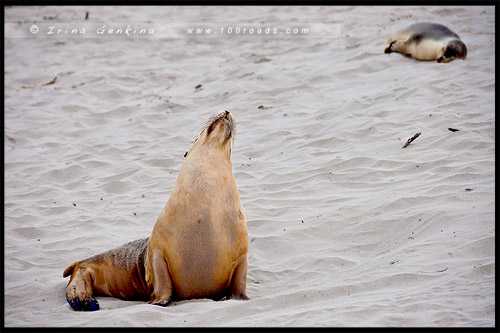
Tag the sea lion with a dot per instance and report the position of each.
(427, 41)
(199, 244)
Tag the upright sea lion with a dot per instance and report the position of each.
(427, 41)
(198, 246)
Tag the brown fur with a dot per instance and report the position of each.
(198, 246)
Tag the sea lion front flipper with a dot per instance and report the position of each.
(162, 284)
(415, 38)
(238, 281)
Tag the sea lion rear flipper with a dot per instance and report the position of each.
(388, 48)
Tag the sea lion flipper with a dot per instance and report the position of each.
(415, 38)
(162, 284)
(238, 280)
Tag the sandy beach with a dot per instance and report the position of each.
(346, 228)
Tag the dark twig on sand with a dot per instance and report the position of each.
(51, 81)
(410, 140)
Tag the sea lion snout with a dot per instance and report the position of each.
(219, 129)
(226, 128)
(227, 117)
(455, 49)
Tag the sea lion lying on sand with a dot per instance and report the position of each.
(427, 41)
(198, 246)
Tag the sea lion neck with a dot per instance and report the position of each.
(210, 151)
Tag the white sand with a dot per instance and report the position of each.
(389, 236)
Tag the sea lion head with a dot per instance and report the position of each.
(218, 133)
(454, 49)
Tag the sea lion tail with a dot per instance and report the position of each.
(69, 270)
